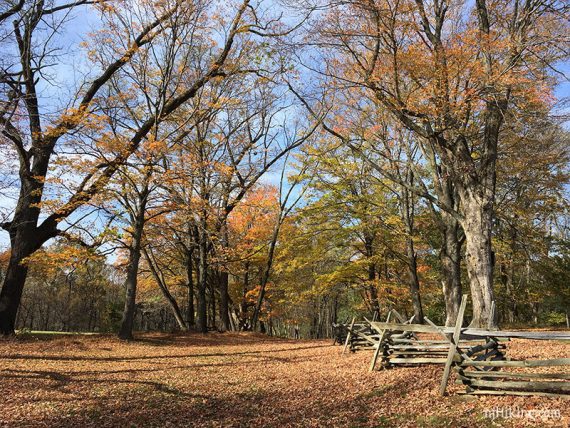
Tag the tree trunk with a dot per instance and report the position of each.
(13, 286)
(374, 302)
(414, 282)
(223, 286)
(476, 188)
(175, 308)
(477, 225)
(224, 301)
(243, 321)
(335, 310)
(24, 241)
(506, 276)
(265, 276)
(407, 210)
(138, 221)
(126, 329)
(450, 257)
(190, 308)
(371, 286)
(450, 250)
(212, 289)
(159, 278)
(202, 310)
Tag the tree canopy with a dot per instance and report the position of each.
(278, 166)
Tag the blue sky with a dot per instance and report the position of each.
(563, 90)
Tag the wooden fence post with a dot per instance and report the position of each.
(453, 345)
(377, 350)
(348, 335)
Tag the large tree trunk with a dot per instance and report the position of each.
(127, 322)
(477, 225)
(476, 188)
(138, 221)
(126, 329)
(13, 286)
(25, 239)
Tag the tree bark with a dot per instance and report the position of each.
(161, 282)
(13, 286)
(371, 287)
(190, 318)
(507, 274)
(450, 258)
(135, 248)
(449, 228)
(223, 286)
(127, 322)
(25, 239)
(374, 302)
(212, 290)
(477, 225)
(407, 208)
(244, 305)
(202, 309)
(265, 275)
(414, 282)
(224, 310)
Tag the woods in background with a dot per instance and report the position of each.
(217, 166)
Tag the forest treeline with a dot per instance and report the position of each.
(282, 165)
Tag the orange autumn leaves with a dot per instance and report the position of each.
(236, 380)
(251, 223)
(450, 79)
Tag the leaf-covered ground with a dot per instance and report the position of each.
(235, 380)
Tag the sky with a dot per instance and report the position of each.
(66, 73)
(563, 89)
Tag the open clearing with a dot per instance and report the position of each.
(235, 380)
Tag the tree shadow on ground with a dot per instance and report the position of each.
(61, 381)
(268, 408)
(167, 367)
(153, 357)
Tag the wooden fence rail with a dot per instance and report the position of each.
(477, 355)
